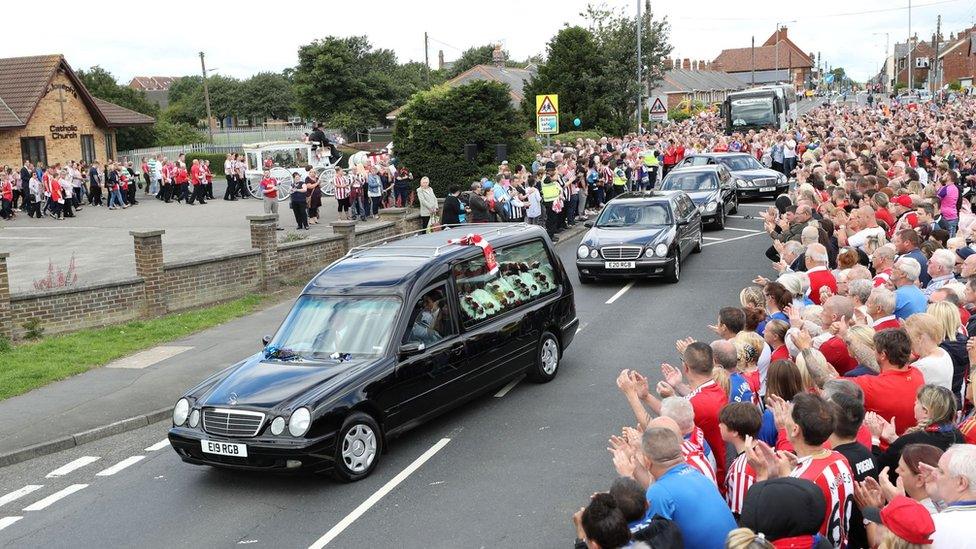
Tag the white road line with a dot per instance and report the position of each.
(7, 521)
(731, 239)
(712, 238)
(158, 446)
(119, 466)
(378, 495)
(743, 230)
(621, 292)
(53, 498)
(76, 464)
(764, 206)
(508, 387)
(17, 494)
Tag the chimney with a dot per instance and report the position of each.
(782, 34)
(686, 64)
(440, 60)
(694, 65)
(498, 56)
(668, 64)
(703, 65)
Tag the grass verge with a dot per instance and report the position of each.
(34, 364)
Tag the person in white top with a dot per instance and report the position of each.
(934, 362)
(230, 192)
(865, 226)
(953, 483)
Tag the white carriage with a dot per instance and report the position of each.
(283, 158)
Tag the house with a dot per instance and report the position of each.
(48, 116)
(778, 59)
(957, 62)
(694, 80)
(156, 88)
(923, 62)
(514, 78)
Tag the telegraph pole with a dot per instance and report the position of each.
(934, 63)
(753, 50)
(427, 56)
(640, 87)
(206, 98)
(911, 70)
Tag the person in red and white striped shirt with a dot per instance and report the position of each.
(694, 448)
(692, 453)
(342, 187)
(736, 421)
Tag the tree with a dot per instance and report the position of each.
(480, 55)
(347, 84)
(101, 84)
(267, 95)
(435, 124)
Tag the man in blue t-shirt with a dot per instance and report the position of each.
(908, 298)
(682, 494)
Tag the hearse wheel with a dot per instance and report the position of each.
(546, 361)
(358, 447)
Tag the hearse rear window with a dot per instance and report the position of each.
(524, 275)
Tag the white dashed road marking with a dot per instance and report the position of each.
(622, 291)
(119, 466)
(731, 239)
(17, 494)
(743, 230)
(378, 495)
(712, 238)
(53, 498)
(508, 387)
(7, 521)
(158, 446)
(71, 466)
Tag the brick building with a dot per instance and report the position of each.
(156, 88)
(694, 80)
(957, 63)
(778, 59)
(48, 116)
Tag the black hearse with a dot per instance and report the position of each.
(381, 340)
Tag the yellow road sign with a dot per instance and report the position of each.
(547, 113)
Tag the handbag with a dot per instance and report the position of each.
(434, 224)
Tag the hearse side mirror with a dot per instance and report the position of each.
(412, 348)
(265, 340)
(682, 222)
(588, 224)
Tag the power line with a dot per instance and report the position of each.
(825, 16)
(432, 39)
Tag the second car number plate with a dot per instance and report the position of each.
(619, 264)
(767, 189)
(224, 448)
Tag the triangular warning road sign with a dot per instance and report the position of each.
(547, 107)
(658, 107)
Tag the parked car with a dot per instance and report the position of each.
(383, 339)
(752, 179)
(641, 234)
(710, 187)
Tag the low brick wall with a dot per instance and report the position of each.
(376, 232)
(211, 280)
(301, 260)
(88, 306)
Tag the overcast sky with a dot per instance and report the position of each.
(132, 38)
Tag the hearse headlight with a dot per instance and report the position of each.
(194, 418)
(181, 411)
(661, 250)
(711, 207)
(301, 420)
(781, 178)
(741, 183)
(278, 425)
(594, 253)
(582, 252)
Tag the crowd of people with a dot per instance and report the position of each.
(834, 407)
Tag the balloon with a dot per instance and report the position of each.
(577, 122)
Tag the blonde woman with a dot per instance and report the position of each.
(749, 348)
(925, 332)
(935, 414)
(953, 342)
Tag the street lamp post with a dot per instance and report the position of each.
(886, 35)
(640, 87)
(206, 98)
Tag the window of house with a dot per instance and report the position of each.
(88, 148)
(431, 320)
(525, 274)
(109, 146)
(34, 149)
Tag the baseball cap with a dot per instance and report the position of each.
(903, 200)
(783, 507)
(906, 518)
(964, 252)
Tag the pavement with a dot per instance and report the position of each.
(505, 470)
(99, 239)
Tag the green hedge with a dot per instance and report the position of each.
(216, 161)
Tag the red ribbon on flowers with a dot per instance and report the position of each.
(478, 240)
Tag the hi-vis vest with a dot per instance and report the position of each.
(650, 159)
(619, 177)
(550, 190)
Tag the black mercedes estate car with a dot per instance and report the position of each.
(640, 234)
(710, 188)
(752, 179)
(379, 341)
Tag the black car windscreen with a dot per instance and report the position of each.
(634, 214)
(690, 181)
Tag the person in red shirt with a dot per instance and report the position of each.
(208, 188)
(903, 209)
(198, 179)
(7, 194)
(815, 258)
(879, 201)
(180, 179)
(775, 335)
(144, 167)
(670, 158)
(835, 310)
(891, 394)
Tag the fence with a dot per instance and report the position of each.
(174, 151)
(160, 287)
(230, 140)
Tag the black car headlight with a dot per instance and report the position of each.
(741, 183)
(661, 250)
(582, 251)
(181, 411)
(301, 420)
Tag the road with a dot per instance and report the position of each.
(506, 470)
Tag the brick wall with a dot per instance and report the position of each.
(376, 232)
(79, 307)
(210, 280)
(301, 260)
(48, 113)
(958, 64)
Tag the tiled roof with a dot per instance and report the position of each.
(685, 80)
(514, 78)
(24, 81)
(147, 83)
(740, 59)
